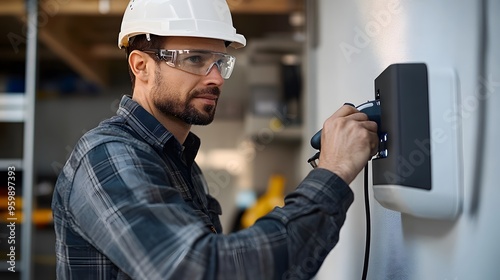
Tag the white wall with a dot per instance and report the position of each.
(357, 41)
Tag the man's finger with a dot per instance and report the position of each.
(358, 116)
(370, 125)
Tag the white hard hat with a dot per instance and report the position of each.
(192, 18)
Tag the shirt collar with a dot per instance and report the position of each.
(154, 133)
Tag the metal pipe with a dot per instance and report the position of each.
(29, 136)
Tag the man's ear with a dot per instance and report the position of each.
(138, 62)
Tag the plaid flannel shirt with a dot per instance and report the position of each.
(131, 203)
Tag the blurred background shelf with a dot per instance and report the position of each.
(12, 107)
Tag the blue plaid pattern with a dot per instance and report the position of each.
(131, 203)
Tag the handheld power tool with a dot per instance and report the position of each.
(371, 109)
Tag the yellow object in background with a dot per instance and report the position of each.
(40, 216)
(4, 202)
(273, 197)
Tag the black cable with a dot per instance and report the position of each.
(368, 226)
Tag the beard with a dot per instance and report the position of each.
(184, 109)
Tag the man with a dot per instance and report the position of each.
(131, 203)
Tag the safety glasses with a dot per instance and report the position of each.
(198, 62)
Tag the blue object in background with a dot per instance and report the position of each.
(15, 84)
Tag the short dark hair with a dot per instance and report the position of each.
(140, 42)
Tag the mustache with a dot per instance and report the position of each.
(207, 91)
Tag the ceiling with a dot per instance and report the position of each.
(78, 38)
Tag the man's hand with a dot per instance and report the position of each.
(348, 141)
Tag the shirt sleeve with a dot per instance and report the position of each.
(123, 203)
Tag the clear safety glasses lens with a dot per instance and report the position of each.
(197, 62)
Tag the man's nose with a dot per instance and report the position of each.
(215, 74)
(212, 66)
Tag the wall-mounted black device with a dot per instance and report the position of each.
(420, 172)
(418, 169)
(402, 90)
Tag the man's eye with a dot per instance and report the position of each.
(195, 59)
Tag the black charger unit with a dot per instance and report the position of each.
(404, 157)
(418, 167)
(418, 170)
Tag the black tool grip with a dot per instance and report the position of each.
(370, 108)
